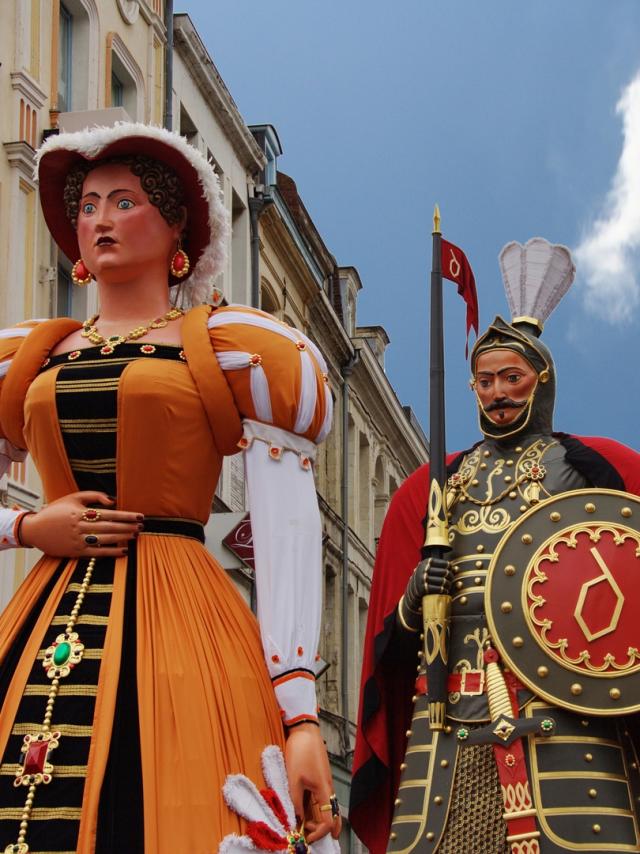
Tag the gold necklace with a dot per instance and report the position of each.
(90, 331)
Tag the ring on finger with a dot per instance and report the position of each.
(91, 515)
(333, 806)
(92, 540)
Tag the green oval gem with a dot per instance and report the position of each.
(62, 654)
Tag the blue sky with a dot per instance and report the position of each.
(502, 111)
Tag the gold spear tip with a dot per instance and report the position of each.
(436, 220)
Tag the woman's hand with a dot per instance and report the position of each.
(59, 529)
(308, 771)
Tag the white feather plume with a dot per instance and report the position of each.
(243, 797)
(275, 776)
(234, 844)
(536, 276)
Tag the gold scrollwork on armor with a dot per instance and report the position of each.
(466, 472)
(479, 636)
(542, 626)
(486, 517)
(527, 481)
(437, 534)
(435, 613)
(491, 520)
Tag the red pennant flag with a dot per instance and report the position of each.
(456, 268)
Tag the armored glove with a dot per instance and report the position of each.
(432, 575)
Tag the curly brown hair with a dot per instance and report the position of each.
(159, 181)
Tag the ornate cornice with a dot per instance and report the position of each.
(154, 20)
(22, 157)
(194, 54)
(27, 86)
(373, 388)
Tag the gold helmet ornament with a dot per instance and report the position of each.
(536, 276)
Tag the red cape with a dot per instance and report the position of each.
(387, 685)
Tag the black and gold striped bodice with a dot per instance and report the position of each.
(87, 406)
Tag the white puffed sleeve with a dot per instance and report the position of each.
(279, 381)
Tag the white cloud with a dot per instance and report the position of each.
(608, 258)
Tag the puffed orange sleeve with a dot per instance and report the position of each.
(277, 375)
(279, 382)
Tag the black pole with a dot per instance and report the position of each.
(436, 604)
(436, 369)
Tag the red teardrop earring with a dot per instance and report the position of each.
(79, 273)
(180, 263)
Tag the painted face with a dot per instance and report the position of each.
(119, 231)
(504, 382)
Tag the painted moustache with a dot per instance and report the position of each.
(506, 403)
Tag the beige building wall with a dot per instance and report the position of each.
(64, 63)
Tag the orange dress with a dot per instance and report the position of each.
(179, 694)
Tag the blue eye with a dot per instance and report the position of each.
(125, 204)
(88, 208)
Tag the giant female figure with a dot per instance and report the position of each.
(133, 678)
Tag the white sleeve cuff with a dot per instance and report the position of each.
(8, 525)
(296, 696)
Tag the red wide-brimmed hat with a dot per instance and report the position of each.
(207, 227)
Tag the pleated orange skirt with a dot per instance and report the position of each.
(206, 707)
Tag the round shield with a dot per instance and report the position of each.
(563, 602)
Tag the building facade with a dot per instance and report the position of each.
(66, 64)
(79, 62)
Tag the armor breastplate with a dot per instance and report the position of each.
(494, 485)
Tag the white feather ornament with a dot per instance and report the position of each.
(536, 276)
(275, 775)
(244, 798)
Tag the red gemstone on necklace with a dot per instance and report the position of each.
(35, 757)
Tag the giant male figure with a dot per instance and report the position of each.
(568, 779)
